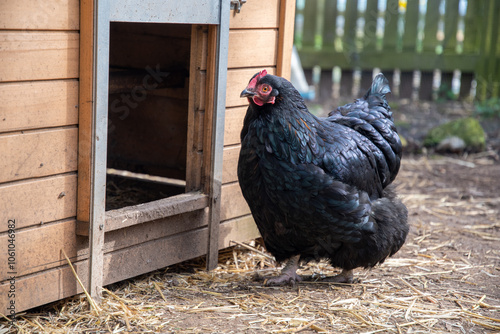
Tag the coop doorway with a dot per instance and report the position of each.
(147, 153)
(151, 125)
(148, 111)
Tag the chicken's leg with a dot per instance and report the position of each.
(344, 277)
(288, 273)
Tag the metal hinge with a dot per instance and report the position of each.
(236, 4)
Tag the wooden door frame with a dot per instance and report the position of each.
(94, 76)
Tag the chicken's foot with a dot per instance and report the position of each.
(345, 276)
(288, 274)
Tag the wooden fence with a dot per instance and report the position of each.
(427, 48)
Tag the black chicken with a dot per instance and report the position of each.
(319, 187)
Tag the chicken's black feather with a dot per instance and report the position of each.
(318, 187)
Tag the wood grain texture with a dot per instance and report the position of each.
(39, 15)
(154, 254)
(34, 105)
(209, 110)
(252, 47)
(138, 214)
(36, 202)
(39, 248)
(143, 256)
(196, 107)
(157, 229)
(38, 55)
(237, 80)
(86, 109)
(232, 202)
(166, 251)
(51, 285)
(285, 41)
(233, 124)
(213, 151)
(37, 154)
(238, 229)
(229, 171)
(256, 14)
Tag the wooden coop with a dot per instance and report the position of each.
(119, 135)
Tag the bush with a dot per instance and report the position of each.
(488, 108)
(468, 129)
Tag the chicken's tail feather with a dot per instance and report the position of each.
(391, 216)
(371, 117)
(373, 99)
(380, 86)
(390, 220)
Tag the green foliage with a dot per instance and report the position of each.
(488, 108)
(468, 129)
(445, 93)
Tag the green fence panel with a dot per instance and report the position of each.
(391, 26)
(329, 24)
(487, 73)
(310, 14)
(349, 45)
(370, 41)
(472, 26)
(411, 26)
(431, 26)
(450, 26)
(399, 47)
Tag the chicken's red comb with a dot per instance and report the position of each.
(256, 79)
(262, 73)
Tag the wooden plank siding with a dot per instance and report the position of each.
(40, 247)
(38, 201)
(261, 37)
(86, 107)
(257, 48)
(233, 204)
(233, 124)
(149, 255)
(285, 38)
(49, 286)
(35, 154)
(231, 154)
(44, 104)
(57, 283)
(38, 55)
(45, 135)
(41, 250)
(39, 15)
(39, 71)
(128, 252)
(196, 109)
(256, 14)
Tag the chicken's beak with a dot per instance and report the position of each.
(247, 93)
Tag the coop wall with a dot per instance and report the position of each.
(39, 69)
(260, 37)
(40, 117)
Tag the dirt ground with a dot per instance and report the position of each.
(446, 278)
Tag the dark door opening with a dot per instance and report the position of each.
(147, 112)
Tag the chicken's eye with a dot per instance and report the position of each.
(265, 88)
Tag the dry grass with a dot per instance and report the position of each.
(445, 279)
